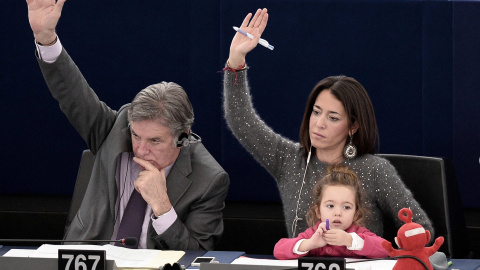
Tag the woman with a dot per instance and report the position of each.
(338, 127)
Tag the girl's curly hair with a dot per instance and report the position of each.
(338, 175)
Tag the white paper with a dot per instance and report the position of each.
(18, 252)
(123, 257)
(252, 261)
(351, 263)
(372, 265)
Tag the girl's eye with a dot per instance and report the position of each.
(348, 207)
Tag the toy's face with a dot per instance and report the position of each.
(412, 238)
(337, 205)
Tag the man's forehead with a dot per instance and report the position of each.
(149, 128)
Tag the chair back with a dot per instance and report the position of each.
(434, 185)
(83, 177)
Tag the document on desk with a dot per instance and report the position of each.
(272, 262)
(351, 263)
(124, 258)
(372, 265)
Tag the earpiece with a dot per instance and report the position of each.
(296, 219)
(308, 158)
(174, 266)
(183, 140)
(186, 139)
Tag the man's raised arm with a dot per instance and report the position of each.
(43, 16)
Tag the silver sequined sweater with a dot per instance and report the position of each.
(284, 160)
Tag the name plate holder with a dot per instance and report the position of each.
(74, 259)
(321, 263)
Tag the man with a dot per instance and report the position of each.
(144, 150)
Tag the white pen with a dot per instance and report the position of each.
(262, 41)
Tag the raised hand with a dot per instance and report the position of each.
(241, 44)
(43, 16)
(152, 185)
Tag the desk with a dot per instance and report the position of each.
(465, 264)
(220, 256)
(228, 256)
(186, 260)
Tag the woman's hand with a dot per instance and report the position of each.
(241, 44)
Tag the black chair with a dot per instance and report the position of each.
(252, 227)
(83, 177)
(434, 185)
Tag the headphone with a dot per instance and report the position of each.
(296, 219)
(186, 139)
(174, 266)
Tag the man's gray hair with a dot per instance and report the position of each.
(165, 103)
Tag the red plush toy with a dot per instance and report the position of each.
(412, 238)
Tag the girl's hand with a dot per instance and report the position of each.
(338, 238)
(315, 241)
(323, 227)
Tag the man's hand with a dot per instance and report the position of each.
(338, 238)
(152, 185)
(43, 16)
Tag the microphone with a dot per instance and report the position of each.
(127, 241)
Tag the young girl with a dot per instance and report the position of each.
(335, 219)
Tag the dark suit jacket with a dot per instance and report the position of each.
(197, 185)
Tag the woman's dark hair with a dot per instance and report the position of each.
(358, 107)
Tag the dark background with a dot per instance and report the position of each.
(419, 61)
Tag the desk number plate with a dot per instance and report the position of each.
(321, 263)
(81, 259)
